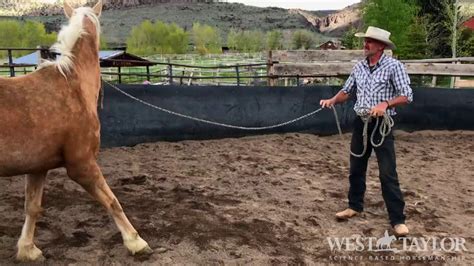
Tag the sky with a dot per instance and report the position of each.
(303, 4)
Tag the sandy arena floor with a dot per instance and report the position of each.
(260, 200)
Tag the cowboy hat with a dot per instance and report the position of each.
(379, 35)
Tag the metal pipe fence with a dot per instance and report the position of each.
(239, 74)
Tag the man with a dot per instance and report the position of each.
(380, 83)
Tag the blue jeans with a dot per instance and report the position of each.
(391, 192)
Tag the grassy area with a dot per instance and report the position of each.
(227, 75)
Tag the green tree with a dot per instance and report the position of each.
(243, 41)
(395, 16)
(9, 35)
(257, 40)
(206, 39)
(103, 43)
(28, 34)
(440, 25)
(274, 40)
(350, 41)
(159, 37)
(466, 43)
(453, 23)
(177, 39)
(417, 47)
(232, 39)
(246, 41)
(302, 39)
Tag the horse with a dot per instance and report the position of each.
(49, 120)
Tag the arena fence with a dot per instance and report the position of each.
(125, 121)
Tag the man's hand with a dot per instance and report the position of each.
(379, 109)
(328, 103)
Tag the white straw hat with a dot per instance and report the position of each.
(379, 35)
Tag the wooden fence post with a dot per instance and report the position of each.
(255, 74)
(120, 74)
(190, 78)
(148, 73)
(456, 79)
(270, 81)
(238, 74)
(10, 63)
(249, 69)
(170, 72)
(433, 81)
(181, 78)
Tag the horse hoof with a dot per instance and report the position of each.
(29, 253)
(145, 251)
(138, 246)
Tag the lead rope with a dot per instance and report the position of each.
(222, 124)
(384, 129)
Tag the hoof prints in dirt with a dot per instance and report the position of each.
(257, 200)
(196, 216)
(135, 180)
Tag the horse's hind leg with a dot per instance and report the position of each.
(89, 176)
(27, 251)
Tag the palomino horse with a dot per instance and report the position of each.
(49, 119)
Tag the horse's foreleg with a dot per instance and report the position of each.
(92, 180)
(27, 251)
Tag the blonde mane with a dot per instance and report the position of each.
(68, 37)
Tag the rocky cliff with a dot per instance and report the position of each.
(336, 23)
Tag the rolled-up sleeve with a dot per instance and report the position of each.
(350, 84)
(401, 82)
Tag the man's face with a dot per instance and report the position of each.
(372, 46)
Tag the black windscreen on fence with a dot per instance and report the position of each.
(125, 121)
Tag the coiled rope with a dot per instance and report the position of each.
(384, 130)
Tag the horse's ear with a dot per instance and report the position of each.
(68, 10)
(98, 8)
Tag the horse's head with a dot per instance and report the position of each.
(80, 35)
(86, 16)
(69, 11)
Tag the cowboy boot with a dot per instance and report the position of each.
(401, 230)
(346, 214)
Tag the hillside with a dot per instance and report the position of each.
(120, 16)
(117, 23)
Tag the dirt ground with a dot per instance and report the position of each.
(261, 200)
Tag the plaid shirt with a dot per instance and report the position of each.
(387, 81)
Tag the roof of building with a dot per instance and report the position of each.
(106, 57)
(469, 23)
